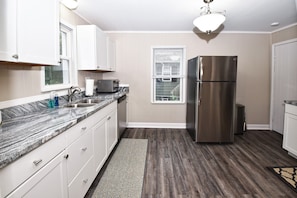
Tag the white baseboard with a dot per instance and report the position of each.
(183, 125)
(258, 127)
(156, 125)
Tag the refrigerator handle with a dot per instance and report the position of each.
(198, 92)
(201, 70)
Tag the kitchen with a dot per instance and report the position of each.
(133, 56)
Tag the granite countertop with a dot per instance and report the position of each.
(291, 102)
(21, 135)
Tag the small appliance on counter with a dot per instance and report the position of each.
(89, 86)
(107, 86)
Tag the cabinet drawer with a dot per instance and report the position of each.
(80, 185)
(17, 172)
(292, 109)
(79, 153)
(79, 129)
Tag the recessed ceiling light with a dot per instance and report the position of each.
(274, 24)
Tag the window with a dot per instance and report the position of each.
(168, 75)
(61, 76)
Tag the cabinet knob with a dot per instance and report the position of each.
(15, 56)
(84, 148)
(108, 118)
(36, 162)
(83, 128)
(66, 156)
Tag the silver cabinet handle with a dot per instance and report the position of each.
(84, 148)
(108, 118)
(15, 56)
(83, 128)
(36, 162)
(85, 181)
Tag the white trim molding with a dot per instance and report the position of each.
(258, 127)
(156, 125)
(183, 125)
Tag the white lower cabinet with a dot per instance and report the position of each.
(66, 165)
(82, 182)
(100, 148)
(105, 135)
(112, 130)
(290, 129)
(50, 181)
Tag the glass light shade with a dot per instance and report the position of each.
(71, 4)
(209, 22)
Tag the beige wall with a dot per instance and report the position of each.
(134, 68)
(283, 35)
(19, 81)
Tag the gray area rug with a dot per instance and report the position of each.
(123, 177)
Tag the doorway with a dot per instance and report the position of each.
(283, 81)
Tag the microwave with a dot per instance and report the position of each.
(107, 86)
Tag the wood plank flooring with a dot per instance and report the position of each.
(178, 167)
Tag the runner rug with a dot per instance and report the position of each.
(287, 174)
(123, 177)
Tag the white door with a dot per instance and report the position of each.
(284, 81)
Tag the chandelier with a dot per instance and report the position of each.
(209, 21)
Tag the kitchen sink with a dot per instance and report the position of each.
(76, 105)
(89, 101)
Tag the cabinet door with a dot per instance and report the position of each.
(290, 133)
(8, 30)
(29, 35)
(91, 48)
(38, 31)
(111, 54)
(101, 50)
(48, 182)
(112, 131)
(99, 142)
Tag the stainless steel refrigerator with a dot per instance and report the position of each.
(211, 92)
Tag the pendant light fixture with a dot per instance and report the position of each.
(71, 4)
(209, 21)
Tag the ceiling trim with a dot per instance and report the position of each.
(182, 32)
(294, 24)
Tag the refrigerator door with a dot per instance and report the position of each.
(191, 98)
(217, 68)
(216, 109)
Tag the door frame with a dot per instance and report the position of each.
(272, 75)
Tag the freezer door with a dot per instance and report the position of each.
(217, 68)
(216, 112)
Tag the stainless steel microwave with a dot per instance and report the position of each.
(107, 86)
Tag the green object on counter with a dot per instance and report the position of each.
(51, 103)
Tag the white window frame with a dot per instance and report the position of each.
(181, 76)
(71, 44)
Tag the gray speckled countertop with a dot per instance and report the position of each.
(21, 135)
(291, 102)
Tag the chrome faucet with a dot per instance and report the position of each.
(71, 92)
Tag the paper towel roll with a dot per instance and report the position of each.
(89, 87)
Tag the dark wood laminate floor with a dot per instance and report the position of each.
(178, 167)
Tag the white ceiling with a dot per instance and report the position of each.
(178, 15)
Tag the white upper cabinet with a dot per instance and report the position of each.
(111, 54)
(29, 31)
(92, 48)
